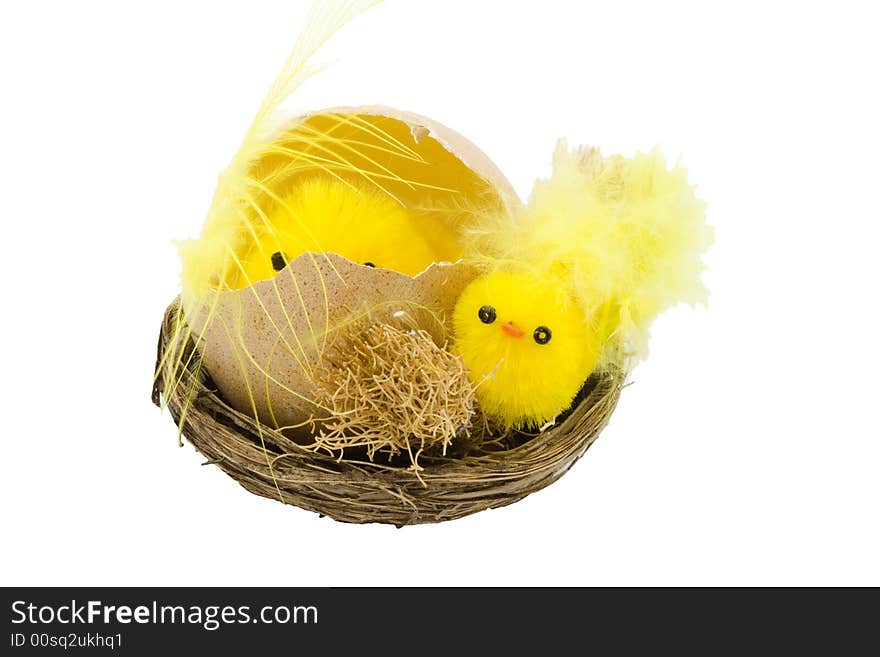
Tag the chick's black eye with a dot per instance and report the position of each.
(279, 260)
(542, 335)
(487, 314)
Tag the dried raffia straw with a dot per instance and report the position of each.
(391, 391)
(493, 473)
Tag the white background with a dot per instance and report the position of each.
(746, 452)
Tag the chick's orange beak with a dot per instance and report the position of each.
(512, 331)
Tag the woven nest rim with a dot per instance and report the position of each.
(266, 463)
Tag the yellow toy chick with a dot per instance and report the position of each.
(525, 343)
(575, 278)
(322, 215)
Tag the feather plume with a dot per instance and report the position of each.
(229, 225)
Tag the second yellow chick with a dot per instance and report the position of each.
(323, 214)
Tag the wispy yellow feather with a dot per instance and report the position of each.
(230, 222)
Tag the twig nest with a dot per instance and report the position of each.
(265, 461)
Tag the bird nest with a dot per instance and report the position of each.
(481, 469)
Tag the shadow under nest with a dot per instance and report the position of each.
(480, 472)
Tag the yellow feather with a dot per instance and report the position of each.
(231, 225)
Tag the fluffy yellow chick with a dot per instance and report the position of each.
(323, 214)
(599, 250)
(525, 343)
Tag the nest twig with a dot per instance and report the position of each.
(266, 462)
